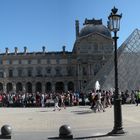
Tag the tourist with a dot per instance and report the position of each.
(137, 97)
(42, 100)
(56, 100)
(133, 95)
(63, 98)
(99, 105)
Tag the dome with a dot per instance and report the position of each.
(94, 26)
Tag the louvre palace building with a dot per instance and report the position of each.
(91, 59)
(62, 70)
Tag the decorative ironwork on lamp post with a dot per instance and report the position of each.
(114, 26)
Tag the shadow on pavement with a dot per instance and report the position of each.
(82, 112)
(87, 137)
(43, 111)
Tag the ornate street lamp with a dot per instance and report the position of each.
(114, 26)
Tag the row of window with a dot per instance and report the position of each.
(98, 48)
(34, 61)
(38, 72)
(50, 71)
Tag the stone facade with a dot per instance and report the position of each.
(58, 71)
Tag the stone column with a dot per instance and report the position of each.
(65, 86)
(79, 84)
(14, 87)
(53, 87)
(43, 88)
(89, 69)
(23, 87)
(4, 87)
(33, 88)
(79, 76)
(78, 69)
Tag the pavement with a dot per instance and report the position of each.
(44, 123)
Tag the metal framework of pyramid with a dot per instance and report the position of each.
(128, 66)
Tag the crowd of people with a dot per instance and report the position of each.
(38, 99)
(97, 99)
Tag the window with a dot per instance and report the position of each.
(15, 62)
(10, 73)
(69, 71)
(39, 61)
(95, 47)
(48, 70)
(39, 72)
(84, 71)
(19, 61)
(10, 62)
(58, 72)
(7, 62)
(108, 48)
(96, 68)
(29, 73)
(20, 73)
(1, 74)
(29, 61)
(48, 61)
(57, 61)
(24, 62)
(0, 61)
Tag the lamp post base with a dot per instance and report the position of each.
(116, 132)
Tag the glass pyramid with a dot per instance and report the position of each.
(128, 67)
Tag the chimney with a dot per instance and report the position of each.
(6, 50)
(16, 50)
(43, 49)
(77, 28)
(25, 50)
(63, 49)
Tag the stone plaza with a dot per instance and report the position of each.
(44, 123)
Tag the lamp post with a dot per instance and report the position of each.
(114, 26)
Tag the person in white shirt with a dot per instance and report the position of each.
(56, 100)
(99, 105)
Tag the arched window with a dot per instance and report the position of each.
(70, 86)
(59, 87)
(48, 87)
(9, 87)
(18, 87)
(38, 87)
(29, 87)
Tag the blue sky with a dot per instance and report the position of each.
(51, 23)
